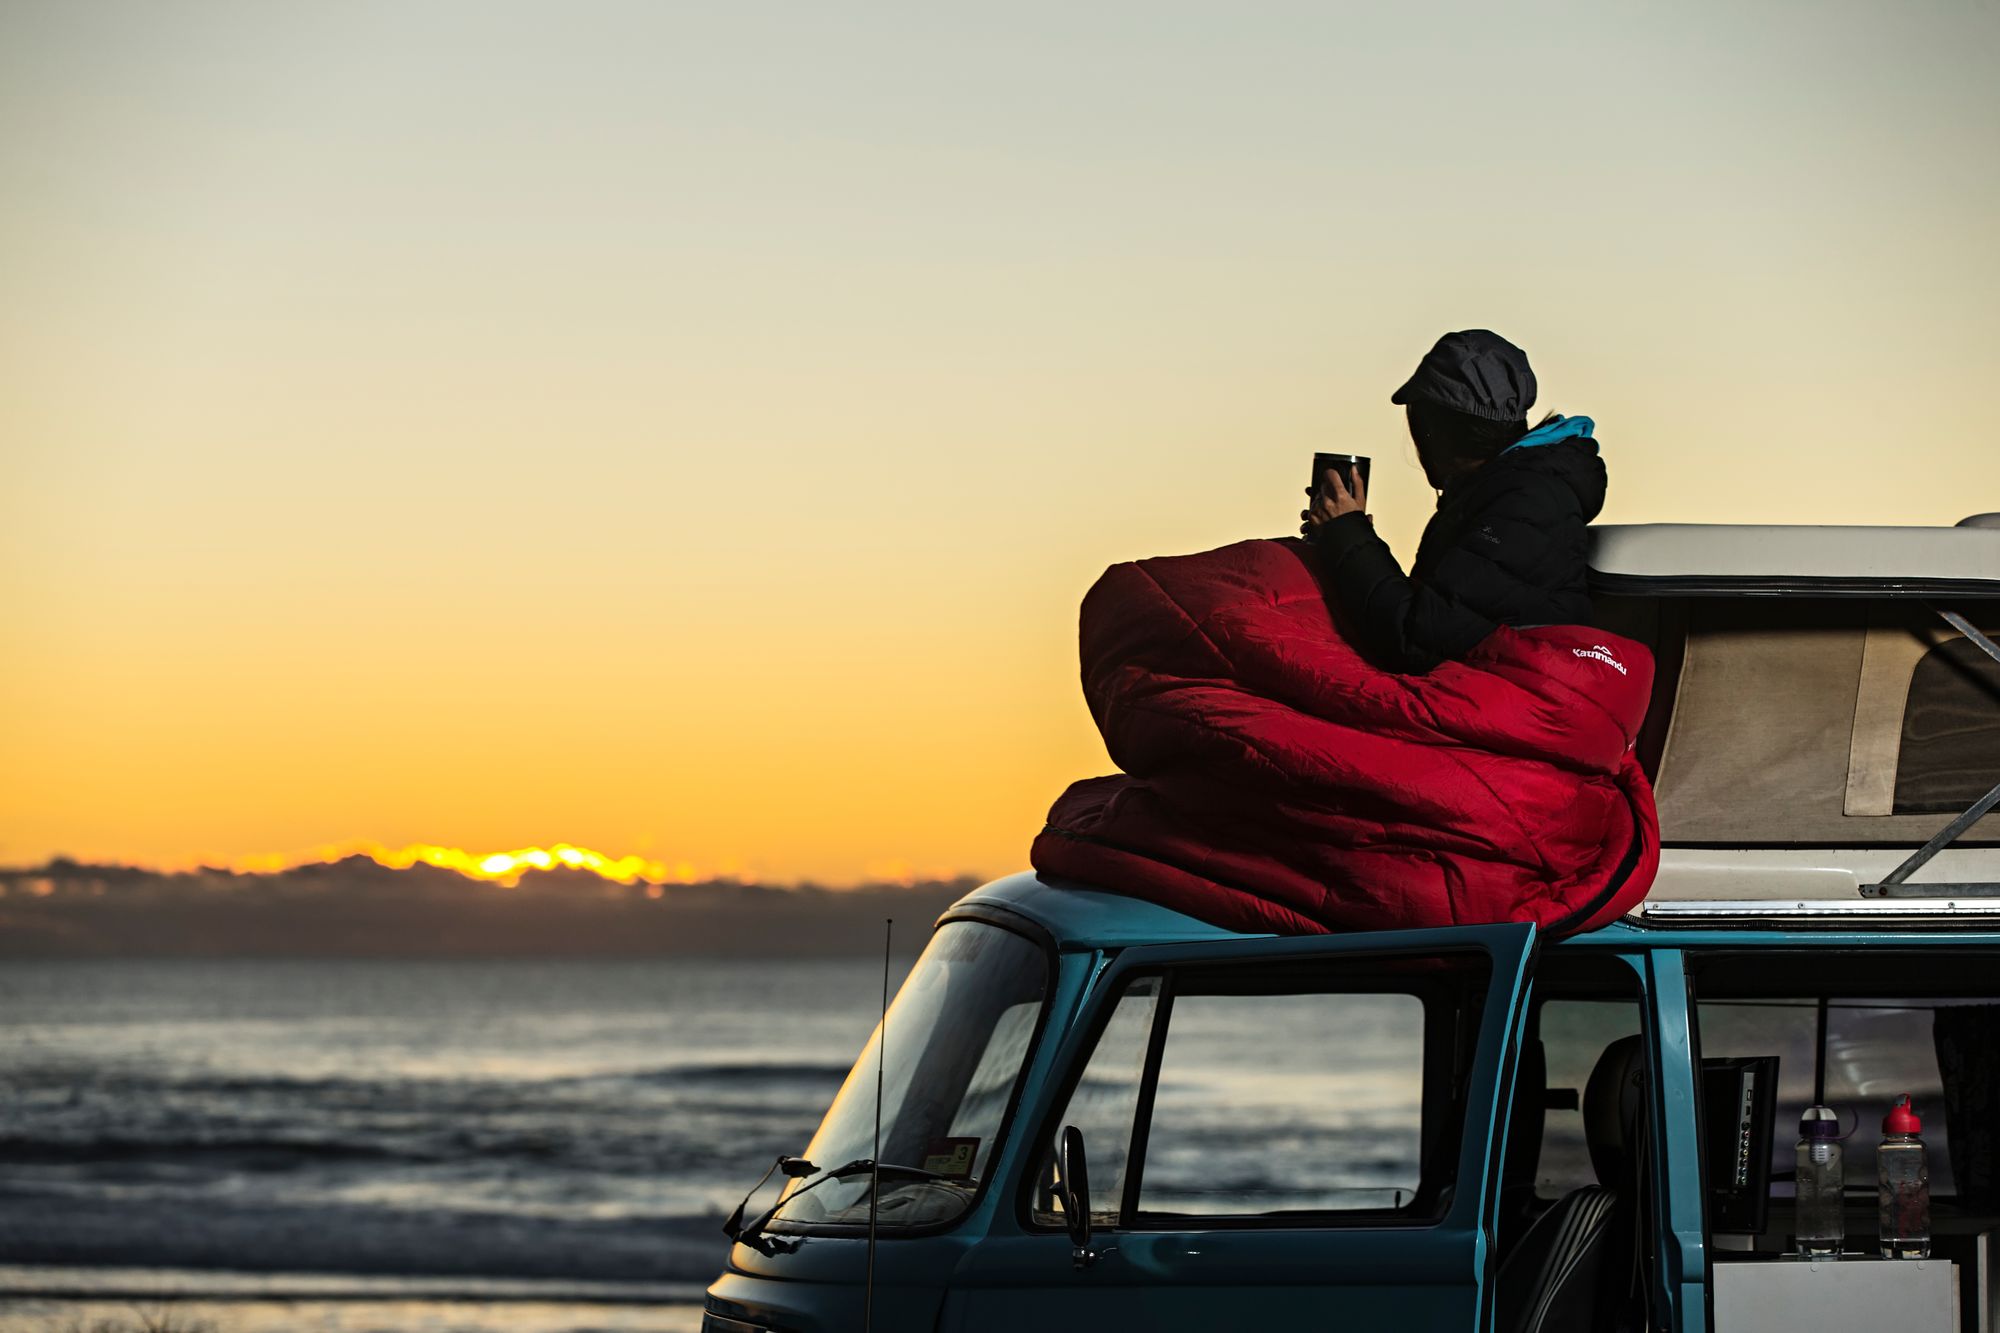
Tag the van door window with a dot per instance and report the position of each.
(1104, 1105)
(1321, 1094)
(1287, 1102)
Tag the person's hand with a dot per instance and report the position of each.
(1334, 499)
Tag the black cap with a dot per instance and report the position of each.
(1476, 372)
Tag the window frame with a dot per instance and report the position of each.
(1440, 1137)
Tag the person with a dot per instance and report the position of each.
(1507, 545)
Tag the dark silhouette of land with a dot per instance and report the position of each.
(357, 908)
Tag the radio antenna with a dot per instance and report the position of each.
(875, 1163)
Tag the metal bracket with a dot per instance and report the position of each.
(1970, 631)
(1900, 890)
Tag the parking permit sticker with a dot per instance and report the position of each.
(951, 1158)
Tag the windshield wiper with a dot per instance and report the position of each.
(860, 1166)
(794, 1167)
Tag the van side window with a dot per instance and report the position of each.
(1950, 751)
(1574, 1035)
(1876, 1049)
(1104, 1105)
(1327, 1093)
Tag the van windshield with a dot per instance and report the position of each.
(958, 1038)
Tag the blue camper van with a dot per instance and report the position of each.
(1097, 1114)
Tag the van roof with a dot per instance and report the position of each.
(1721, 559)
(1083, 917)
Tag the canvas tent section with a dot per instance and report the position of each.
(1800, 722)
(1812, 693)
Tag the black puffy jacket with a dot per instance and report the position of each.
(1506, 547)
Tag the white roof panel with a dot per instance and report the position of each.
(1666, 559)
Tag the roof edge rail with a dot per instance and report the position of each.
(1837, 912)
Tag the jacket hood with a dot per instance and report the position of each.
(1554, 431)
(1564, 449)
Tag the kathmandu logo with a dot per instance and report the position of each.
(1602, 654)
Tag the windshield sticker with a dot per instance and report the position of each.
(951, 1158)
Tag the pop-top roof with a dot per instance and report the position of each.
(1695, 559)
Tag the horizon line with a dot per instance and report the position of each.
(504, 869)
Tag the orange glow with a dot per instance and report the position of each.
(498, 454)
(502, 868)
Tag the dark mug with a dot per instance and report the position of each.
(1347, 465)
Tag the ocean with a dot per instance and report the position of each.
(490, 1144)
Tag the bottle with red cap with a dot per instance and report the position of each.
(1903, 1185)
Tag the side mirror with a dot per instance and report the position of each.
(1075, 1195)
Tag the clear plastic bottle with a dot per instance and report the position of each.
(1820, 1225)
(1903, 1180)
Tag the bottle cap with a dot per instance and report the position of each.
(1901, 1119)
(1819, 1122)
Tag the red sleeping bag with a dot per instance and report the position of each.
(1275, 781)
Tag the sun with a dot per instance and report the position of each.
(502, 868)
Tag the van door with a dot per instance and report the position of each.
(1277, 1133)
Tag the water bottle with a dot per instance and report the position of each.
(1903, 1181)
(1821, 1227)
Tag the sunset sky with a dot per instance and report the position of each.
(686, 431)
